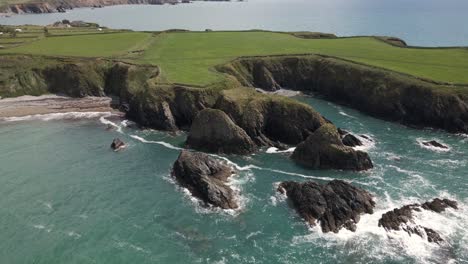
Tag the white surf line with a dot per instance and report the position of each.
(56, 116)
(103, 120)
(241, 168)
(162, 143)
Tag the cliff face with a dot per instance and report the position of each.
(385, 94)
(62, 5)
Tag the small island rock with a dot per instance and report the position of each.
(117, 144)
(205, 178)
(403, 219)
(334, 205)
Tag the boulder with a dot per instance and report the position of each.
(117, 144)
(351, 140)
(213, 130)
(325, 150)
(205, 178)
(403, 219)
(334, 205)
(433, 143)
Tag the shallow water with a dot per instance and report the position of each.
(67, 198)
(419, 22)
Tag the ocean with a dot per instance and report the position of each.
(68, 198)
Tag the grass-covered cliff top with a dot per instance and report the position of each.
(190, 57)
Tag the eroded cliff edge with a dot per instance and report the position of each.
(378, 92)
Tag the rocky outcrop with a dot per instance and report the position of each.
(334, 205)
(378, 92)
(205, 178)
(403, 219)
(325, 150)
(213, 131)
(433, 143)
(349, 139)
(117, 144)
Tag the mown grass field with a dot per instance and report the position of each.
(190, 57)
(89, 45)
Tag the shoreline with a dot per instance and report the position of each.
(53, 104)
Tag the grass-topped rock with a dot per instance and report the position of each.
(325, 150)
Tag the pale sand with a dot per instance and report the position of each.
(49, 104)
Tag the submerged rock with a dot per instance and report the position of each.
(325, 150)
(435, 144)
(334, 205)
(214, 131)
(403, 219)
(205, 178)
(117, 144)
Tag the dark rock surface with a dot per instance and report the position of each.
(351, 140)
(205, 177)
(214, 131)
(324, 150)
(433, 143)
(334, 205)
(403, 219)
(117, 144)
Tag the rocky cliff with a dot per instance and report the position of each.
(378, 92)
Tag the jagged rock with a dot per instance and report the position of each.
(324, 150)
(403, 219)
(351, 140)
(334, 205)
(214, 131)
(205, 177)
(439, 205)
(434, 143)
(117, 144)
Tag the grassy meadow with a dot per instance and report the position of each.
(190, 57)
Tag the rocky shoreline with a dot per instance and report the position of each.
(63, 5)
(51, 104)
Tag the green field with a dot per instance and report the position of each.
(90, 45)
(190, 57)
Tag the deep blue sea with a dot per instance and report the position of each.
(419, 22)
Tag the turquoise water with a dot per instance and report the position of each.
(67, 198)
(420, 22)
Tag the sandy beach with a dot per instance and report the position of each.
(49, 104)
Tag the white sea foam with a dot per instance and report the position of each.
(392, 243)
(162, 143)
(367, 143)
(73, 234)
(343, 113)
(272, 150)
(57, 116)
(105, 121)
(125, 244)
(432, 148)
